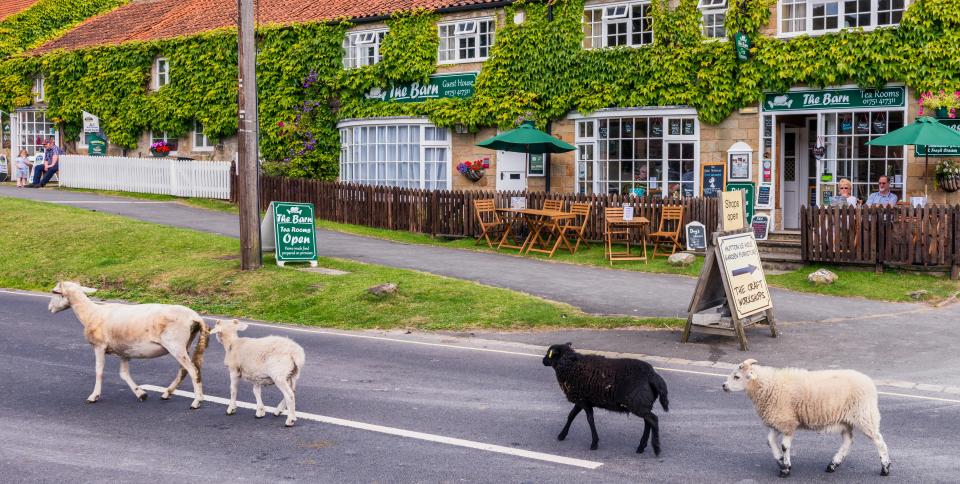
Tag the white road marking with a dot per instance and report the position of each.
(488, 350)
(528, 454)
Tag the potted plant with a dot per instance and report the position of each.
(944, 104)
(473, 170)
(160, 149)
(948, 175)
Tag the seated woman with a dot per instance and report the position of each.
(844, 198)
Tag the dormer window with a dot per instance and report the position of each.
(362, 48)
(161, 72)
(466, 41)
(714, 15)
(39, 93)
(611, 25)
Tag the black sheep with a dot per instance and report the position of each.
(615, 384)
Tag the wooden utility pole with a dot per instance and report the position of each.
(247, 152)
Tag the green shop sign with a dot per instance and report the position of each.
(749, 196)
(458, 85)
(953, 124)
(890, 97)
(742, 43)
(294, 235)
(96, 145)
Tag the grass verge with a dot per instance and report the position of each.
(890, 286)
(207, 203)
(143, 262)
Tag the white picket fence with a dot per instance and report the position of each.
(182, 178)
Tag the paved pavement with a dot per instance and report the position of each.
(489, 393)
(893, 341)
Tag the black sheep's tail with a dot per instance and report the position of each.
(660, 388)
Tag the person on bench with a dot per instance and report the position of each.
(50, 166)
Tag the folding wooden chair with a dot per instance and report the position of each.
(549, 225)
(668, 233)
(488, 219)
(577, 226)
(610, 232)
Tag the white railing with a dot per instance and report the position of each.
(182, 178)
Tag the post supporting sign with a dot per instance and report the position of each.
(731, 281)
(288, 229)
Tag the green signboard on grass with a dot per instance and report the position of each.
(749, 197)
(294, 230)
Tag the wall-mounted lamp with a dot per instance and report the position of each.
(519, 17)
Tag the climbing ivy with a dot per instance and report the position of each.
(537, 70)
(45, 20)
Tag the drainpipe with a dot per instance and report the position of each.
(546, 162)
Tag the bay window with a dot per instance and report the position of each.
(611, 25)
(409, 153)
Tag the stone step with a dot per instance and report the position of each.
(783, 236)
(781, 262)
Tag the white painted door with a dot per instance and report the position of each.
(511, 171)
(790, 178)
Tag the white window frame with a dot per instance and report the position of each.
(350, 150)
(165, 137)
(206, 145)
(465, 30)
(667, 114)
(161, 74)
(39, 89)
(808, 5)
(355, 45)
(715, 9)
(612, 15)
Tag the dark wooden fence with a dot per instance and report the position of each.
(450, 213)
(893, 236)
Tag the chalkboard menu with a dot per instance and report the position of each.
(761, 226)
(713, 178)
(763, 196)
(696, 236)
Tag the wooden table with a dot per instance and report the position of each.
(536, 221)
(639, 223)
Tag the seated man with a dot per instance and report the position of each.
(884, 196)
(50, 166)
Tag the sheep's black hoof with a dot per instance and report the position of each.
(562, 436)
(885, 470)
(832, 467)
(142, 398)
(593, 446)
(640, 450)
(231, 411)
(656, 451)
(784, 472)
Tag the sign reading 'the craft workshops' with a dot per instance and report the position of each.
(740, 260)
(459, 85)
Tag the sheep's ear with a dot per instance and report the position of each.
(87, 290)
(747, 363)
(569, 344)
(58, 289)
(240, 326)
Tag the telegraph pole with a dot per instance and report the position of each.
(247, 152)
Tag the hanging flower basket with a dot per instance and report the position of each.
(473, 170)
(948, 176)
(950, 183)
(160, 149)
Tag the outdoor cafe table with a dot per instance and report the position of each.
(537, 220)
(639, 223)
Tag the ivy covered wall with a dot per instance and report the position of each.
(536, 69)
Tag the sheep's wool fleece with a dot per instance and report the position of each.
(789, 398)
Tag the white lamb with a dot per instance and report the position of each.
(272, 360)
(834, 401)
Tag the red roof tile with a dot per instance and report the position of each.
(163, 19)
(10, 7)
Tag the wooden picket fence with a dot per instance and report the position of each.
(167, 176)
(892, 236)
(449, 213)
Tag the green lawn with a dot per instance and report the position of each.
(208, 203)
(892, 285)
(143, 262)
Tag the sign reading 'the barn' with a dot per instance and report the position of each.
(289, 229)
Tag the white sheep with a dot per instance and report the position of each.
(832, 401)
(272, 360)
(136, 331)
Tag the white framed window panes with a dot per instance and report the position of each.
(714, 14)
(161, 72)
(39, 89)
(611, 25)
(466, 41)
(172, 142)
(200, 140)
(657, 154)
(32, 128)
(846, 134)
(362, 48)
(820, 16)
(409, 153)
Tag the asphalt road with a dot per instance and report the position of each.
(502, 397)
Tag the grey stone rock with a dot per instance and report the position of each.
(681, 259)
(920, 294)
(382, 290)
(822, 277)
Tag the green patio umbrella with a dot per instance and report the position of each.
(527, 139)
(925, 132)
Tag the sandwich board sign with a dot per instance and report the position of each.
(731, 280)
(696, 236)
(288, 229)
